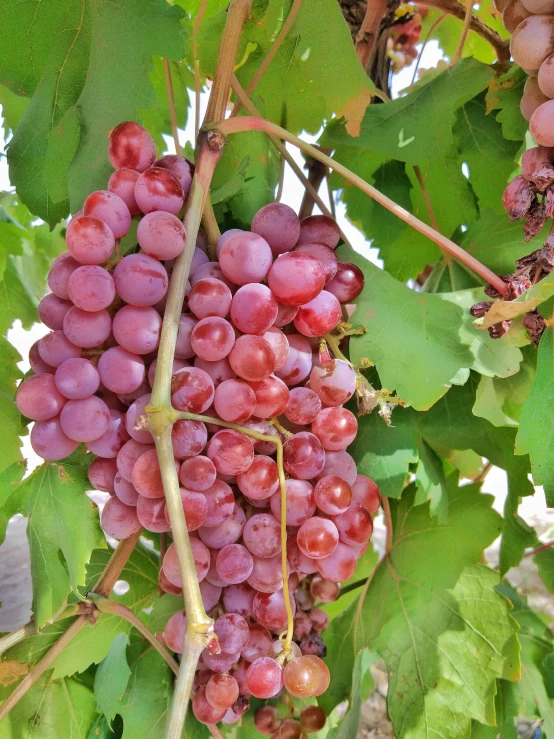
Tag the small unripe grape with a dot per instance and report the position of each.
(324, 590)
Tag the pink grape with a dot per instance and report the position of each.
(89, 240)
(212, 575)
(102, 473)
(230, 451)
(128, 455)
(61, 270)
(77, 378)
(252, 358)
(264, 678)
(210, 595)
(49, 440)
(110, 443)
(285, 314)
(300, 502)
(269, 610)
(85, 419)
(280, 345)
(347, 284)
(260, 480)
(127, 399)
(140, 280)
(38, 365)
(234, 564)
(260, 643)
(279, 225)
(366, 492)
(299, 363)
(151, 514)
(221, 503)
(334, 381)
(219, 662)
(209, 297)
(318, 537)
(336, 428)
(39, 398)
(122, 183)
(271, 397)
(324, 254)
(161, 235)
(174, 632)
(239, 599)
(119, 520)
(211, 270)
(533, 96)
(168, 587)
(136, 410)
(158, 189)
(125, 490)
(298, 560)
(212, 338)
(323, 590)
(541, 126)
(55, 348)
(319, 316)
(225, 533)
(131, 145)
(204, 711)
(121, 371)
(183, 348)
(137, 329)
(192, 390)
(189, 438)
(296, 278)
(532, 42)
(253, 309)
(245, 257)
(333, 495)
(177, 365)
(354, 525)
(222, 691)
(195, 508)
(197, 473)
(199, 258)
(234, 401)
(51, 311)
(91, 288)
(86, 329)
(303, 455)
(147, 477)
(262, 535)
(201, 557)
(180, 167)
(303, 406)
(225, 236)
(109, 208)
(339, 566)
(266, 575)
(340, 464)
(321, 229)
(301, 679)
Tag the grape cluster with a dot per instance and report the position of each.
(250, 353)
(404, 36)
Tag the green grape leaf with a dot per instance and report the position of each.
(53, 498)
(157, 119)
(504, 95)
(163, 609)
(517, 535)
(400, 129)
(13, 108)
(535, 436)
(112, 676)
(506, 709)
(545, 565)
(362, 683)
(432, 613)
(10, 418)
(90, 70)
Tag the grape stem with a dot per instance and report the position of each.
(30, 629)
(369, 30)
(251, 123)
(463, 36)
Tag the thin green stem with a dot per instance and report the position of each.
(30, 629)
(251, 123)
(333, 342)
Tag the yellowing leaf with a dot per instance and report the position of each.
(11, 671)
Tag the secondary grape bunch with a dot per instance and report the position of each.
(249, 349)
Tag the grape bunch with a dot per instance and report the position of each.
(404, 35)
(250, 358)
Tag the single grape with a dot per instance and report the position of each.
(128, 455)
(109, 208)
(183, 348)
(230, 451)
(266, 575)
(147, 477)
(340, 565)
(234, 401)
(109, 444)
(347, 284)
(221, 503)
(319, 316)
(234, 564)
(302, 626)
(262, 535)
(245, 257)
(299, 363)
(279, 225)
(201, 558)
(195, 508)
(38, 365)
(212, 338)
(49, 440)
(135, 412)
(231, 716)
(119, 520)
(266, 719)
(122, 183)
(189, 438)
(87, 329)
(264, 678)
(85, 419)
(89, 240)
(541, 124)
(211, 270)
(321, 229)
(102, 473)
(301, 677)
(355, 525)
(91, 288)
(271, 397)
(51, 311)
(159, 190)
(222, 691)
(232, 631)
(290, 729)
(319, 619)
(298, 560)
(340, 464)
(125, 490)
(140, 280)
(192, 390)
(312, 719)
(366, 492)
(131, 146)
(300, 502)
(39, 398)
(120, 370)
(61, 270)
(199, 258)
(324, 674)
(318, 537)
(303, 454)
(210, 595)
(180, 167)
(55, 348)
(204, 711)
(269, 610)
(260, 643)
(334, 381)
(219, 662)
(137, 329)
(324, 254)
(174, 632)
(532, 95)
(513, 14)
(313, 644)
(252, 358)
(295, 279)
(336, 428)
(324, 590)
(303, 406)
(209, 297)
(77, 378)
(197, 473)
(332, 495)
(151, 514)
(225, 533)
(253, 308)
(161, 235)
(533, 41)
(239, 599)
